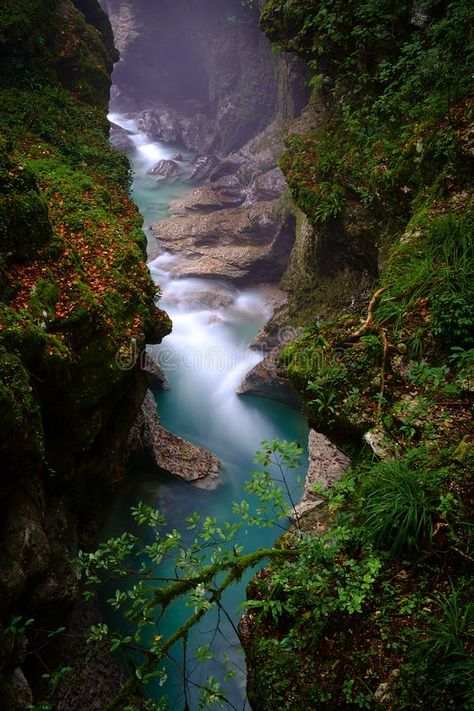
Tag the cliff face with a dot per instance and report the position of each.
(207, 58)
(75, 300)
(380, 167)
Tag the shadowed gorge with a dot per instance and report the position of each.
(236, 355)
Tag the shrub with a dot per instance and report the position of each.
(442, 663)
(398, 505)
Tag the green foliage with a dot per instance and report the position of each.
(441, 666)
(338, 384)
(319, 591)
(200, 577)
(74, 287)
(433, 268)
(398, 505)
(311, 181)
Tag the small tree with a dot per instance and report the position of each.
(203, 571)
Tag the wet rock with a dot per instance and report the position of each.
(212, 298)
(326, 466)
(163, 124)
(120, 138)
(199, 133)
(15, 691)
(155, 371)
(205, 199)
(247, 245)
(267, 380)
(172, 453)
(203, 167)
(164, 169)
(177, 157)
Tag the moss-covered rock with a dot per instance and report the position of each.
(384, 165)
(75, 293)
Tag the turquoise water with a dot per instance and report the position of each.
(205, 359)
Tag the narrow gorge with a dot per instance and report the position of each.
(236, 348)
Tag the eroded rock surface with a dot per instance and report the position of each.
(172, 453)
(164, 169)
(267, 380)
(247, 245)
(326, 466)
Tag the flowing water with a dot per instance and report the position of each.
(205, 359)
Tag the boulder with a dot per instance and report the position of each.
(204, 167)
(163, 124)
(246, 245)
(205, 199)
(177, 157)
(267, 380)
(171, 453)
(120, 138)
(164, 169)
(326, 466)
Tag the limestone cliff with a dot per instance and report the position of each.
(207, 58)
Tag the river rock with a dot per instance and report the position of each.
(171, 453)
(212, 298)
(267, 380)
(163, 124)
(247, 245)
(203, 167)
(199, 133)
(205, 199)
(326, 466)
(164, 169)
(177, 157)
(277, 330)
(120, 138)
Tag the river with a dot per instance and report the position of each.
(204, 358)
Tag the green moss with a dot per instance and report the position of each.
(389, 158)
(76, 290)
(20, 418)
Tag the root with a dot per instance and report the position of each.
(369, 324)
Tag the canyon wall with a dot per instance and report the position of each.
(75, 300)
(207, 58)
